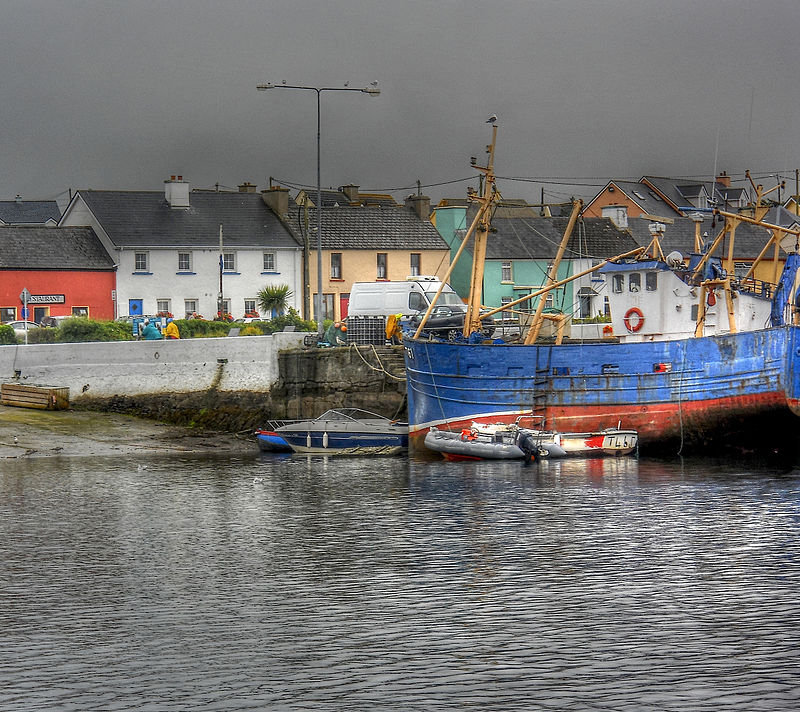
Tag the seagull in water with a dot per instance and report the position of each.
(258, 480)
(141, 467)
(16, 440)
(491, 119)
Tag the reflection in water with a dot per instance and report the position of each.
(302, 582)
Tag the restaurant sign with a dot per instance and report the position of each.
(46, 299)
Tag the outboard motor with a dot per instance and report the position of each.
(527, 443)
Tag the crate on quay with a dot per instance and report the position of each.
(366, 330)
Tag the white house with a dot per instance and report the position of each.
(169, 253)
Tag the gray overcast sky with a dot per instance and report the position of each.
(122, 94)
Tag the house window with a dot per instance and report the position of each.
(226, 306)
(140, 261)
(80, 311)
(606, 307)
(229, 261)
(416, 264)
(163, 305)
(8, 314)
(651, 281)
(269, 261)
(585, 303)
(548, 302)
(336, 265)
(184, 262)
(505, 272)
(382, 260)
(618, 283)
(189, 307)
(250, 306)
(634, 282)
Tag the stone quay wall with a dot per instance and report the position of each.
(228, 383)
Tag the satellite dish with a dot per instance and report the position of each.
(675, 260)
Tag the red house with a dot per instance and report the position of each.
(66, 270)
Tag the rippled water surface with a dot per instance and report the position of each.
(309, 583)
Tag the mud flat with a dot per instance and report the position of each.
(26, 432)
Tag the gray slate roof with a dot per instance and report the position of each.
(749, 239)
(28, 212)
(52, 248)
(538, 238)
(369, 227)
(144, 219)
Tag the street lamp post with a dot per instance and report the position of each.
(371, 90)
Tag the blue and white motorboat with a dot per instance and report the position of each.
(346, 431)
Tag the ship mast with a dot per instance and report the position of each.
(488, 199)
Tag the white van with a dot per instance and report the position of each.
(411, 299)
(407, 298)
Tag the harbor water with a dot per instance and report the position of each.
(259, 582)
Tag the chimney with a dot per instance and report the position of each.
(176, 191)
(420, 204)
(351, 191)
(247, 187)
(277, 200)
(724, 179)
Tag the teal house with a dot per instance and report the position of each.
(522, 246)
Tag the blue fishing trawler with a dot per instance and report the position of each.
(695, 356)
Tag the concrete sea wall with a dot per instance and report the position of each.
(150, 367)
(228, 383)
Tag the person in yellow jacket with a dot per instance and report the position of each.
(171, 332)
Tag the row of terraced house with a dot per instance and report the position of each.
(187, 251)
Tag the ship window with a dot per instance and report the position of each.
(694, 312)
(651, 281)
(618, 283)
(634, 281)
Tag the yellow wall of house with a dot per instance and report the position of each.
(362, 266)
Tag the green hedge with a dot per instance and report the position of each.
(80, 329)
(198, 328)
(7, 335)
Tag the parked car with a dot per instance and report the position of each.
(19, 326)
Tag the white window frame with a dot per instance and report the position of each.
(161, 302)
(247, 303)
(228, 261)
(137, 262)
(188, 267)
(186, 303)
(415, 264)
(269, 262)
(506, 274)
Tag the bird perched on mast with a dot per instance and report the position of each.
(492, 119)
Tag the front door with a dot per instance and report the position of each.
(344, 303)
(135, 307)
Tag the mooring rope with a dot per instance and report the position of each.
(380, 366)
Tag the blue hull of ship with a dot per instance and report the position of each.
(696, 389)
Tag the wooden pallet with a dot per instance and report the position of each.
(41, 397)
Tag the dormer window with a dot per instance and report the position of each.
(618, 214)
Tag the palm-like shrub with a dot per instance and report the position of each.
(274, 299)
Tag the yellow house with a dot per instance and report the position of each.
(366, 237)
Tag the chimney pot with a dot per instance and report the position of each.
(176, 193)
(277, 199)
